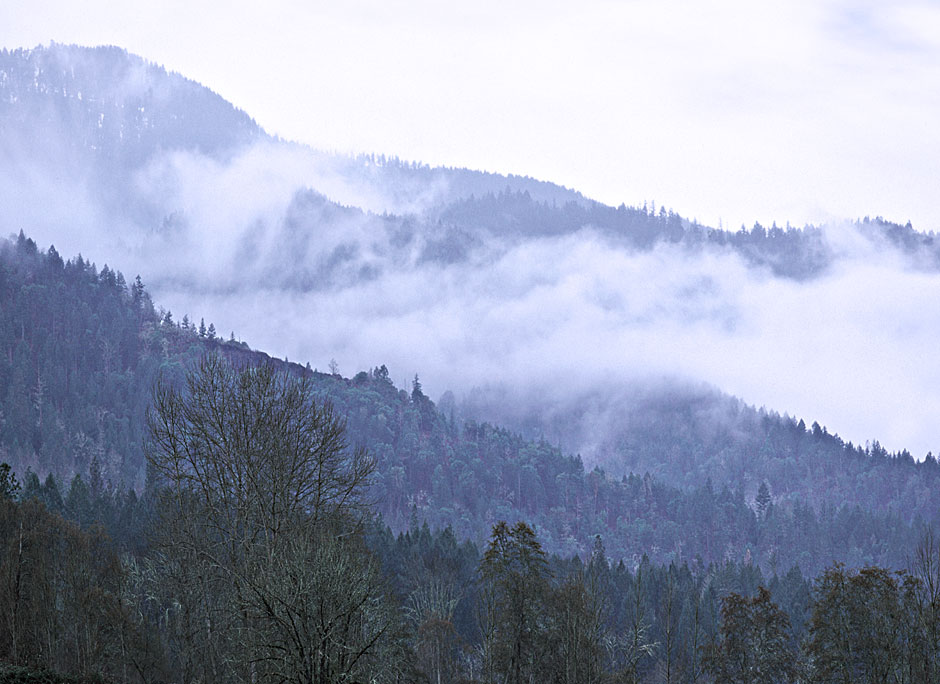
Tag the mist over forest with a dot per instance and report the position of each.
(273, 413)
(502, 290)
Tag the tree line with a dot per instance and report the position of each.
(263, 562)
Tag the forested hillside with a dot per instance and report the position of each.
(417, 606)
(105, 125)
(792, 252)
(686, 434)
(103, 152)
(82, 350)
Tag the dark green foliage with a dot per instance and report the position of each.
(417, 560)
(515, 612)
(466, 477)
(83, 428)
(9, 487)
(79, 352)
(681, 437)
(564, 620)
(861, 630)
(10, 674)
(60, 593)
(762, 500)
(514, 575)
(685, 436)
(73, 367)
(753, 645)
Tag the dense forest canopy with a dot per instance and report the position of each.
(105, 153)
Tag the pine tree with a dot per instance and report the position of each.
(763, 499)
(416, 393)
(137, 291)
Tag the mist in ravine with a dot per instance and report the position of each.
(532, 323)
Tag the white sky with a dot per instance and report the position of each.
(734, 111)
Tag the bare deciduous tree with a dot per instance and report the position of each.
(261, 496)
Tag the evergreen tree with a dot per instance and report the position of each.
(763, 499)
(514, 574)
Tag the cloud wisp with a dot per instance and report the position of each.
(559, 317)
(315, 256)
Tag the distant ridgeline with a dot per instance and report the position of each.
(115, 106)
(102, 115)
(80, 349)
(790, 252)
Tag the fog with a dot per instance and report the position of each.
(314, 257)
(555, 320)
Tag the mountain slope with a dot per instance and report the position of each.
(80, 351)
(114, 112)
(114, 106)
(112, 120)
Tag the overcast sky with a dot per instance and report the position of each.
(724, 111)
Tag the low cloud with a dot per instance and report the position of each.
(253, 243)
(560, 319)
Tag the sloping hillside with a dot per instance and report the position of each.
(81, 350)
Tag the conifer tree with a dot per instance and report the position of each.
(514, 573)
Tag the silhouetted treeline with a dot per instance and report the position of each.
(799, 253)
